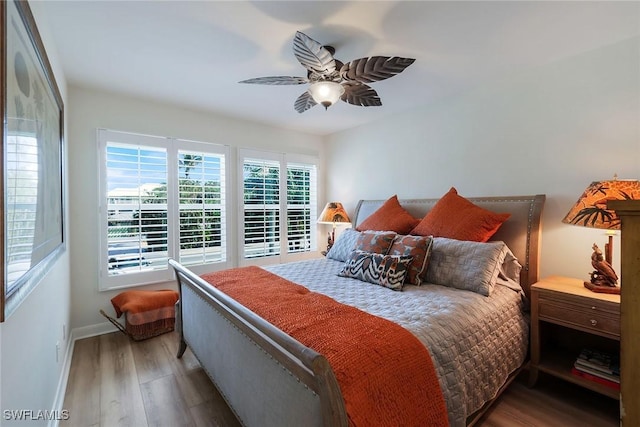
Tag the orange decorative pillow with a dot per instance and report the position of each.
(455, 217)
(417, 247)
(377, 242)
(389, 217)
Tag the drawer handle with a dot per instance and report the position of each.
(594, 322)
(593, 307)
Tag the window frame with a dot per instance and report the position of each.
(223, 150)
(283, 159)
(312, 168)
(172, 146)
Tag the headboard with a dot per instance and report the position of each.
(521, 232)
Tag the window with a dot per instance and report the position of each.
(279, 206)
(301, 206)
(202, 215)
(261, 208)
(21, 199)
(161, 198)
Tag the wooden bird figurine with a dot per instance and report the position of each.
(604, 275)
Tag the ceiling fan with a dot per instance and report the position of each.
(329, 79)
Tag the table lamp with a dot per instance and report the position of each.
(333, 213)
(591, 211)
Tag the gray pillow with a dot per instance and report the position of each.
(344, 245)
(510, 271)
(471, 266)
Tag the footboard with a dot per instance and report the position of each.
(266, 377)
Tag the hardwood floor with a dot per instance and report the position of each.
(114, 381)
(551, 403)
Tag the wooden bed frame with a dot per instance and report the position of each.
(270, 379)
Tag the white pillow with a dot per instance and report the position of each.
(471, 266)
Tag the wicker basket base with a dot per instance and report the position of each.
(150, 330)
(145, 330)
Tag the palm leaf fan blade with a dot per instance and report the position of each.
(360, 95)
(277, 80)
(312, 55)
(304, 102)
(375, 68)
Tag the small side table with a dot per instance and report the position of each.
(579, 318)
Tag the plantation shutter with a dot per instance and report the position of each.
(301, 207)
(261, 208)
(202, 225)
(137, 207)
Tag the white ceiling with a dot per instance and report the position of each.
(194, 53)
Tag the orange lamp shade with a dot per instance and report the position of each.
(333, 212)
(591, 208)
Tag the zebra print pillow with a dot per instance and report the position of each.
(384, 270)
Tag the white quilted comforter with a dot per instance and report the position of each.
(475, 341)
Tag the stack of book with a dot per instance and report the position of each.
(597, 366)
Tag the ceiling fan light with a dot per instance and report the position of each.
(326, 93)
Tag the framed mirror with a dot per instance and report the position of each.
(32, 158)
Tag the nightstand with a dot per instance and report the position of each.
(566, 317)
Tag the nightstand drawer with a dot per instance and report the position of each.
(592, 318)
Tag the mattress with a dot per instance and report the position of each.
(475, 341)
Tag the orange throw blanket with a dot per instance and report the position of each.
(145, 306)
(385, 373)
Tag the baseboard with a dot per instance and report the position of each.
(92, 330)
(62, 386)
(76, 334)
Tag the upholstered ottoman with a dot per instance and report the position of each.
(147, 313)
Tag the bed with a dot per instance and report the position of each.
(269, 378)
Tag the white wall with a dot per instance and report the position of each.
(92, 109)
(552, 130)
(28, 369)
